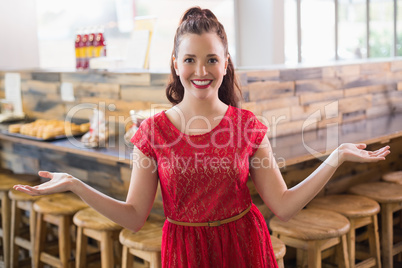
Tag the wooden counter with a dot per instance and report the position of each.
(291, 149)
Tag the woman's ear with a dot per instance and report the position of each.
(226, 64)
(175, 65)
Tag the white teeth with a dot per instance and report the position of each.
(202, 83)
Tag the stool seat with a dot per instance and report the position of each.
(59, 204)
(92, 224)
(20, 196)
(314, 233)
(330, 224)
(144, 244)
(90, 218)
(389, 195)
(7, 181)
(395, 177)
(149, 238)
(20, 203)
(279, 250)
(351, 206)
(58, 210)
(278, 247)
(383, 192)
(361, 212)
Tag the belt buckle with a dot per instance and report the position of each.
(214, 223)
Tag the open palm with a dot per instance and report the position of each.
(356, 153)
(59, 182)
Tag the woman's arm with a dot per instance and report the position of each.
(130, 214)
(284, 202)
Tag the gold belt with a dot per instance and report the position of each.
(211, 223)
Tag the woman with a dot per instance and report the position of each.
(202, 151)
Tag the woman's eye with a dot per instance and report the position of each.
(213, 60)
(188, 60)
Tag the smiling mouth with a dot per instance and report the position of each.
(201, 83)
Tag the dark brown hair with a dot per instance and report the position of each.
(198, 21)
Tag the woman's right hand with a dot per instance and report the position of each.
(59, 182)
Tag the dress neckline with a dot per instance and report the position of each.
(197, 135)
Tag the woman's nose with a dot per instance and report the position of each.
(201, 70)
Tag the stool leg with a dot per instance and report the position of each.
(32, 227)
(127, 259)
(301, 258)
(64, 241)
(81, 254)
(5, 213)
(344, 258)
(281, 263)
(15, 223)
(39, 241)
(107, 250)
(314, 254)
(155, 260)
(351, 238)
(374, 240)
(387, 235)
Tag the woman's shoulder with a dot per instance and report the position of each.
(248, 119)
(243, 113)
(155, 119)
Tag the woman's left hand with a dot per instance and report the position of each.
(357, 153)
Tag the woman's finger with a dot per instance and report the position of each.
(45, 174)
(361, 145)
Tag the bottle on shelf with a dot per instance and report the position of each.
(78, 49)
(90, 44)
(85, 56)
(100, 43)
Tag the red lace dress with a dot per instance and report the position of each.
(203, 178)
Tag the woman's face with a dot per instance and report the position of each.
(201, 64)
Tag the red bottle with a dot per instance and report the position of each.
(100, 44)
(85, 56)
(78, 40)
(90, 45)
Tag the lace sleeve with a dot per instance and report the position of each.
(142, 139)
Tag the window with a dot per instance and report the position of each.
(352, 30)
(342, 29)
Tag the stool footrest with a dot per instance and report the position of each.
(21, 242)
(370, 262)
(397, 248)
(49, 259)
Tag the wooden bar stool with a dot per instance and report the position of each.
(92, 224)
(21, 204)
(313, 231)
(144, 244)
(279, 250)
(7, 181)
(394, 177)
(361, 212)
(58, 210)
(389, 195)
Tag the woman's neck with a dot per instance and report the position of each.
(202, 107)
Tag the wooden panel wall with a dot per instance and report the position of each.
(333, 94)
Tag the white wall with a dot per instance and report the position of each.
(18, 35)
(259, 32)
